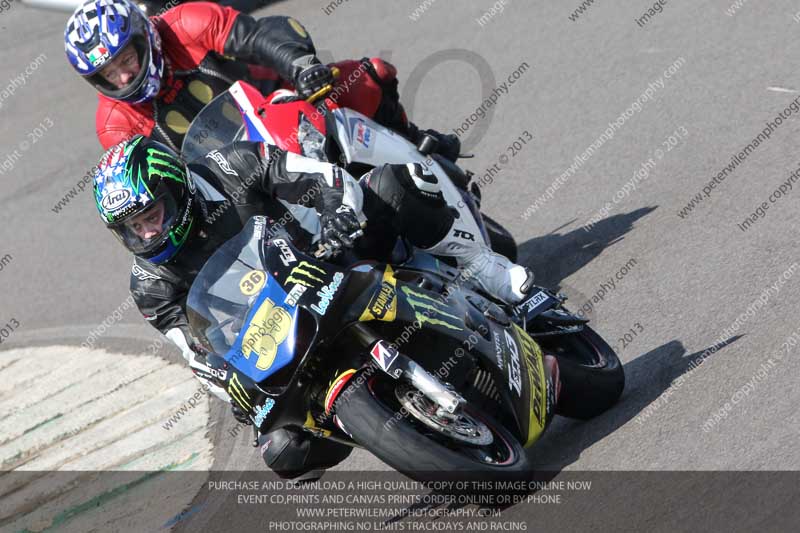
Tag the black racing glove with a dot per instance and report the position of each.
(310, 75)
(340, 228)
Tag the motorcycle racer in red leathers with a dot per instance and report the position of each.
(154, 75)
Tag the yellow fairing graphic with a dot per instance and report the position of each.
(383, 306)
(269, 328)
(298, 28)
(310, 424)
(237, 391)
(534, 364)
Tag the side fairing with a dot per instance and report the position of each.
(527, 379)
(437, 331)
(365, 141)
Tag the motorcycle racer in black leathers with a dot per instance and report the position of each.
(173, 216)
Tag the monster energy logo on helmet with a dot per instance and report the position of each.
(143, 176)
(137, 169)
(162, 164)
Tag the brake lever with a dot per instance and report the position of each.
(325, 91)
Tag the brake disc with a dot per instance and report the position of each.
(458, 426)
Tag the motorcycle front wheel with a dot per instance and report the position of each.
(592, 376)
(388, 418)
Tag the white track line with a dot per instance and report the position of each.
(67, 412)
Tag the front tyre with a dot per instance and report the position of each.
(371, 414)
(592, 377)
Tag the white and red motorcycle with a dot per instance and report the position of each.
(327, 132)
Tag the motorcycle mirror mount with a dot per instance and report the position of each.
(428, 144)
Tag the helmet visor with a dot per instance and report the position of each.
(125, 73)
(147, 230)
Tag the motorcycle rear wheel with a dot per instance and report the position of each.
(374, 419)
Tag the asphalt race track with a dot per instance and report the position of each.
(646, 166)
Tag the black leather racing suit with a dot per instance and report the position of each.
(234, 183)
(245, 179)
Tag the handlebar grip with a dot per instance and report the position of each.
(322, 93)
(323, 251)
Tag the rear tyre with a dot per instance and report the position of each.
(592, 377)
(374, 419)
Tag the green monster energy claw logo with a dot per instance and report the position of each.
(429, 309)
(179, 234)
(304, 269)
(163, 164)
(137, 181)
(237, 391)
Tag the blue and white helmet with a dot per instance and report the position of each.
(98, 30)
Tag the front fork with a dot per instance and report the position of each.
(396, 365)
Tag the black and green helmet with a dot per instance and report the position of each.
(146, 197)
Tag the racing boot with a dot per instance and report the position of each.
(498, 276)
(492, 272)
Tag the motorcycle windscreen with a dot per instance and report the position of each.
(267, 342)
(237, 309)
(219, 123)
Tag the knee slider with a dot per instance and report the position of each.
(386, 186)
(418, 209)
(285, 451)
(424, 183)
(395, 185)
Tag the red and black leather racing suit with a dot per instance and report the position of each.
(208, 47)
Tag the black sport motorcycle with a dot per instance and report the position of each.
(407, 358)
